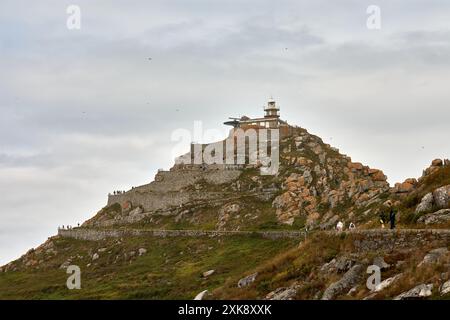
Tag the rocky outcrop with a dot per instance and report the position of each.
(201, 295)
(386, 283)
(441, 197)
(435, 165)
(225, 213)
(247, 280)
(434, 256)
(421, 291)
(284, 293)
(441, 216)
(320, 177)
(208, 273)
(426, 204)
(340, 265)
(350, 279)
(407, 186)
(438, 199)
(445, 288)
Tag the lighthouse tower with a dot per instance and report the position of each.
(272, 113)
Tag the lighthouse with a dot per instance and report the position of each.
(271, 110)
(271, 120)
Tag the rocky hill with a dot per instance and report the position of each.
(282, 225)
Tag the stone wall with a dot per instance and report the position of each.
(372, 240)
(363, 240)
(96, 234)
(169, 189)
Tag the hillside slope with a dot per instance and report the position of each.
(316, 187)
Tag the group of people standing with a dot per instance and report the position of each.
(388, 215)
(340, 226)
(68, 227)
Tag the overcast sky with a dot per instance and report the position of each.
(85, 112)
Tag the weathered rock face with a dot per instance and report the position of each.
(438, 199)
(320, 177)
(386, 283)
(201, 295)
(441, 197)
(404, 187)
(435, 165)
(247, 280)
(225, 213)
(285, 293)
(441, 216)
(421, 291)
(445, 288)
(434, 256)
(350, 279)
(426, 204)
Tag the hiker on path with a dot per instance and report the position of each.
(392, 214)
(340, 226)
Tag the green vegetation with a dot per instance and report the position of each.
(171, 268)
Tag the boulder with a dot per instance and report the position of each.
(284, 293)
(95, 256)
(445, 288)
(403, 187)
(426, 204)
(343, 264)
(201, 295)
(355, 166)
(441, 197)
(352, 291)
(386, 283)
(437, 163)
(412, 181)
(247, 280)
(329, 266)
(142, 251)
(349, 280)
(208, 273)
(421, 291)
(225, 214)
(441, 216)
(379, 176)
(434, 256)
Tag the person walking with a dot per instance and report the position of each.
(392, 214)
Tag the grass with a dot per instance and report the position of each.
(171, 268)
